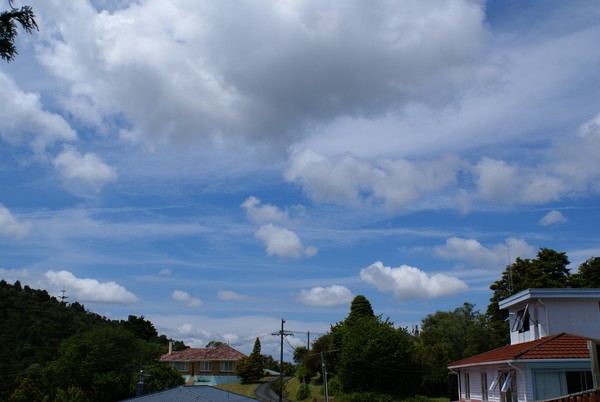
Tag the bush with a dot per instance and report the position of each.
(277, 386)
(364, 397)
(303, 392)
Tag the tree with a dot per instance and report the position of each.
(141, 328)
(214, 344)
(100, 362)
(588, 275)
(547, 270)
(448, 336)
(371, 356)
(8, 28)
(161, 376)
(250, 368)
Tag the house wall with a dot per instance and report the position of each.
(492, 372)
(553, 316)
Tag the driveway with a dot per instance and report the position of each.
(266, 394)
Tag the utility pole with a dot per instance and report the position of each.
(282, 333)
(324, 378)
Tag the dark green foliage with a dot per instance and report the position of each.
(548, 270)
(8, 28)
(100, 362)
(214, 344)
(448, 336)
(277, 386)
(251, 368)
(588, 275)
(161, 376)
(141, 328)
(371, 356)
(33, 325)
(71, 394)
(364, 397)
(303, 392)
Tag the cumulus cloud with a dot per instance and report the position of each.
(408, 283)
(87, 168)
(11, 226)
(473, 253)
(326, 297)
(22, 117)
(185, 298)
(552, 218)
(90, 290)
(283, 242)
(348, 180)
(230, 295)
(263, 213)
(184, 77)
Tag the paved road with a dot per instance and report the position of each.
(266, 394)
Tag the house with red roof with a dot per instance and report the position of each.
(205, 366)
(549, 355)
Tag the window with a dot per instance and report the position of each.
(227, 366)
(578, 381)
(205, 366)
(494, 383)
(484, 389)
(467, 387)
(521, 323)
(506, 384)
(181, 366)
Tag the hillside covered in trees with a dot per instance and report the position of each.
(56, 351)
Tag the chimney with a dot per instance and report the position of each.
(170, 346)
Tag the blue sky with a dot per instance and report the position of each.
(217, 167)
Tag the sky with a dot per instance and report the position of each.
(217, 167)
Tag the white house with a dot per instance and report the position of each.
(548, 355)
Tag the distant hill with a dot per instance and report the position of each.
(33, 324)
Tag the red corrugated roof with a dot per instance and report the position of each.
(223, 352)
(560, 346)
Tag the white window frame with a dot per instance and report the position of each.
(467, 386)
(484, 388)
(507, 382)
(180, 366)
(206, 365)
(226, 366)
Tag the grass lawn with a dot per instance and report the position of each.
(242, 389)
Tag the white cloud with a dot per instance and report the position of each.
(165, 272)
(184, 297)
(90, 290)
(326, 297)
(183, 78)
(283, 242)
(10, 226)
(22, 116)
(347, 180)
(475, 254)
(230, 295)
(263, 213)
(552, 218)
(408, 283)
(87, 168)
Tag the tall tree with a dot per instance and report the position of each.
(588, 275)
(547, 270)
(251, 368)
(371, 356)
(25, 17)
(448, 336)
